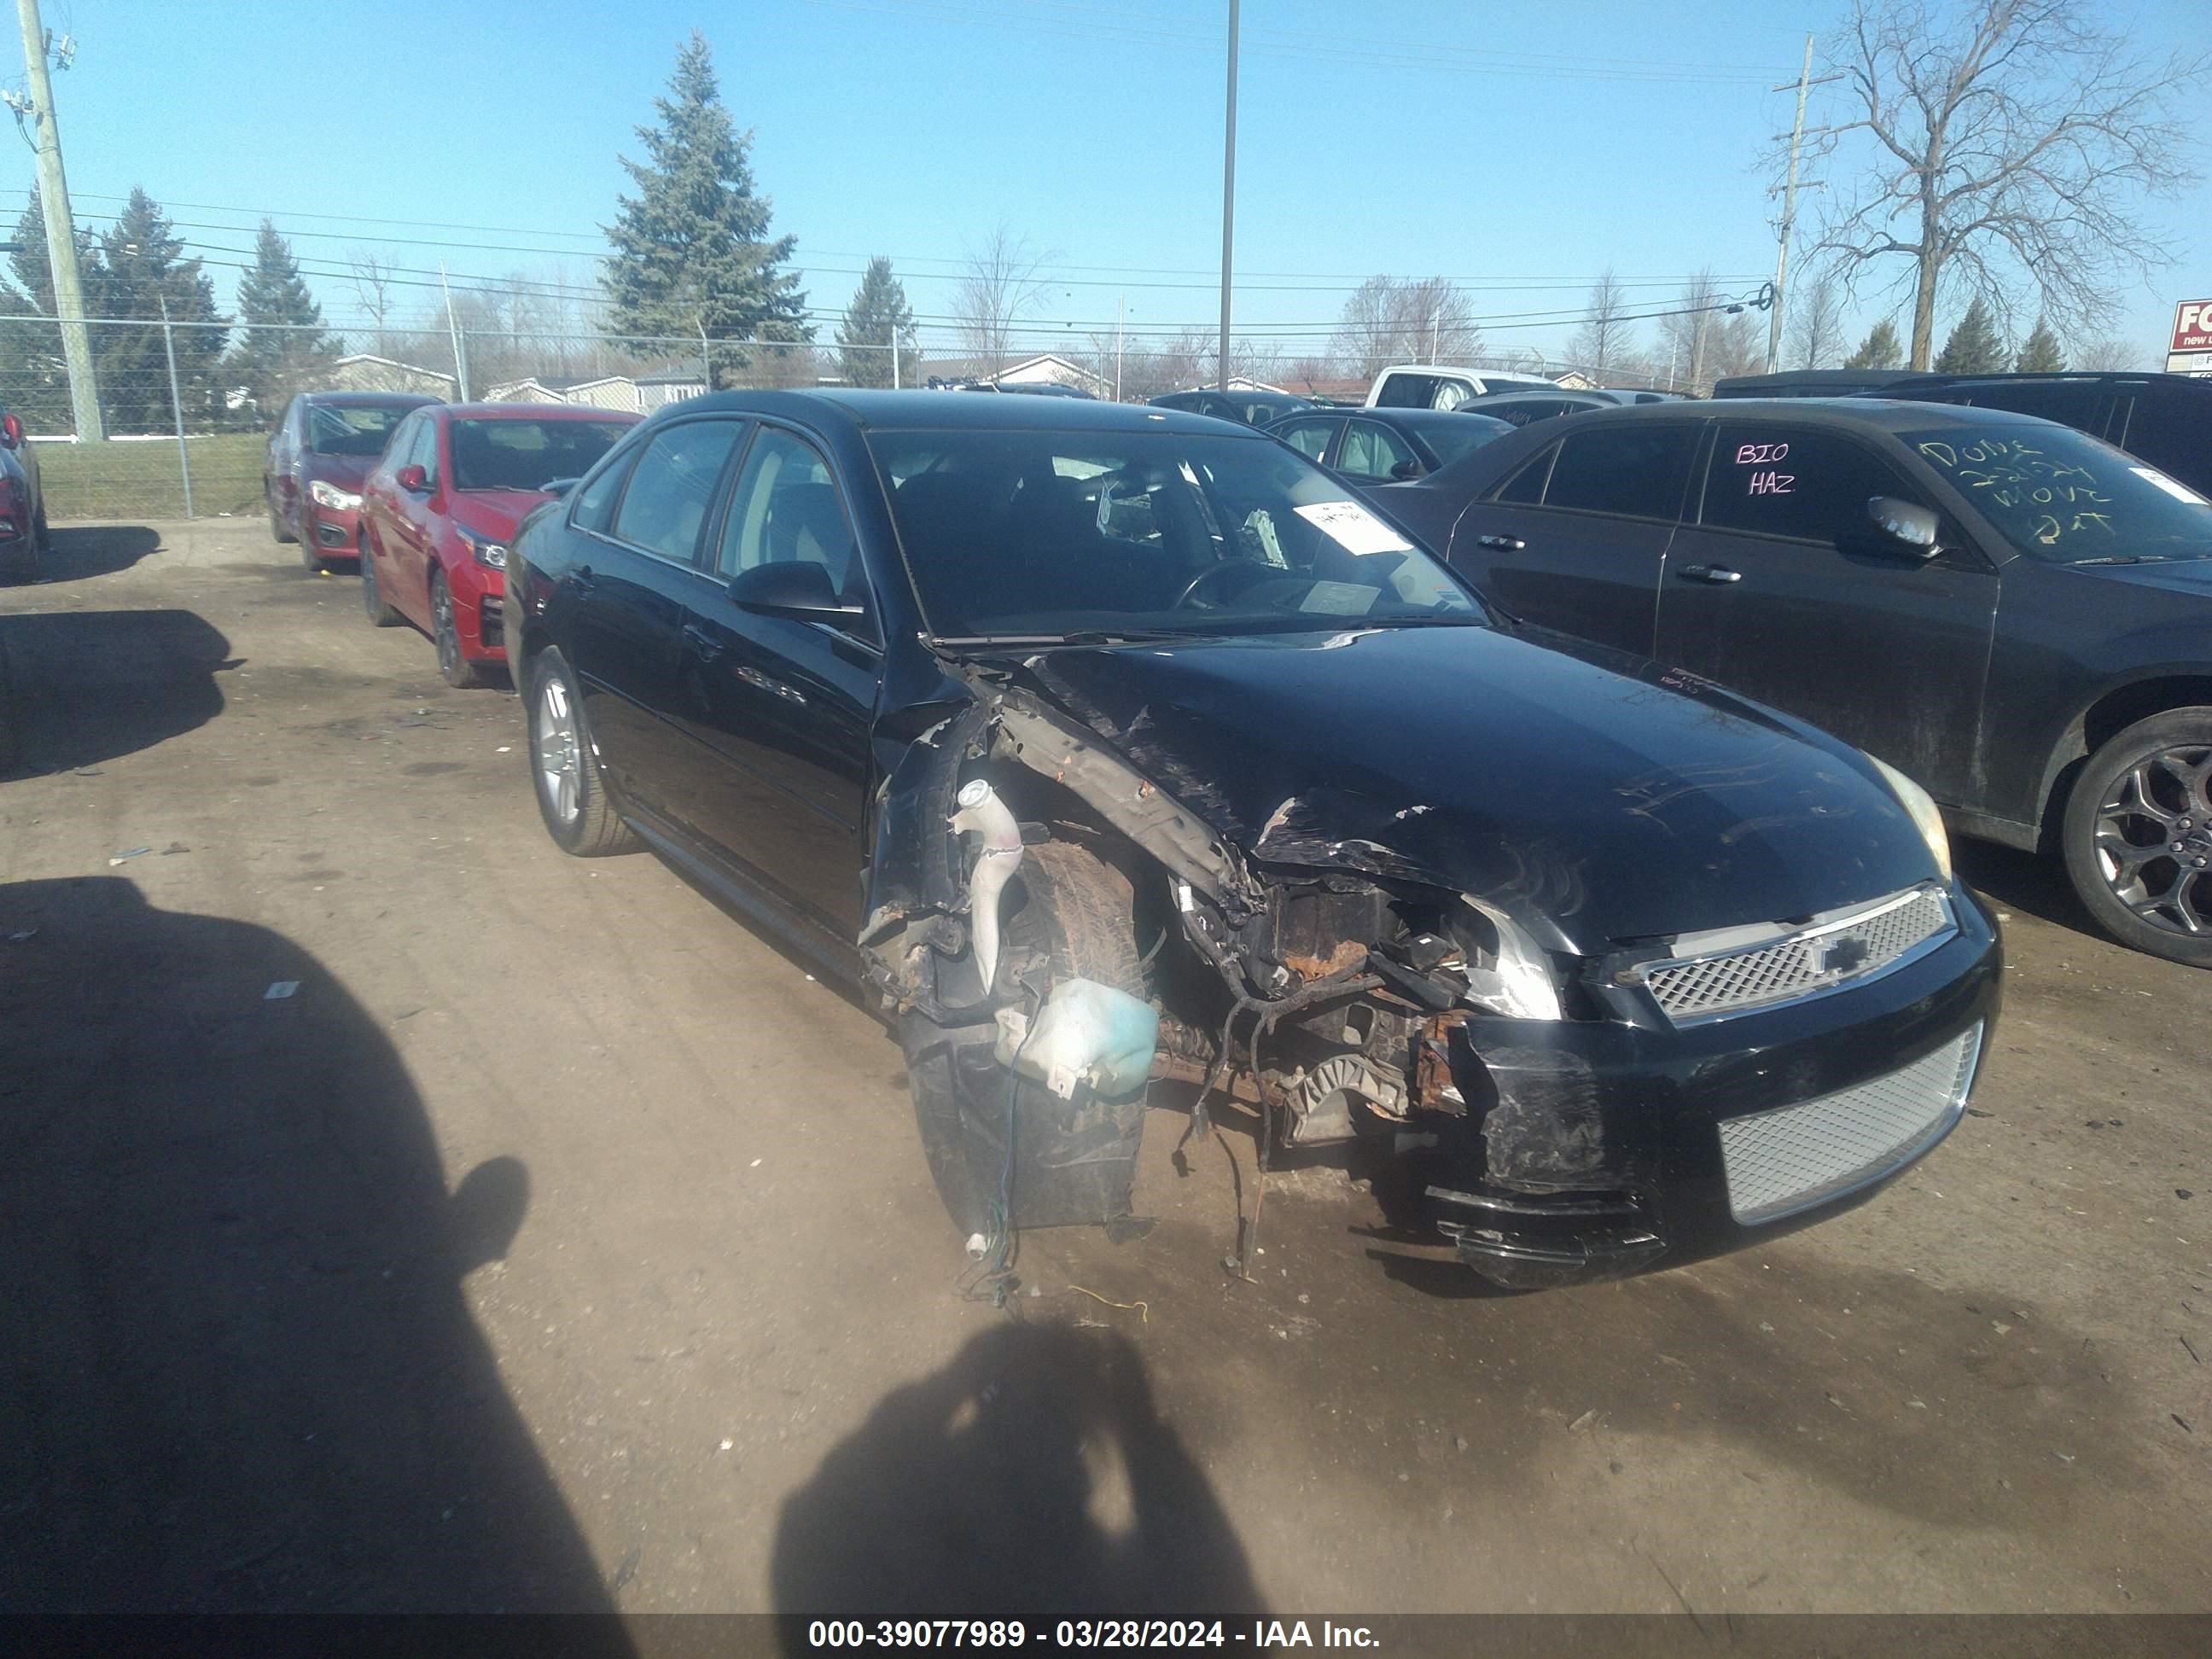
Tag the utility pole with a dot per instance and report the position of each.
(453, 331)
(1789, 210)
(61, 228)
(1228, 193)
(895, 362)
(176, 405)
(1121, 307)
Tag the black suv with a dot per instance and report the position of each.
(2165, 419)
(2016, 615)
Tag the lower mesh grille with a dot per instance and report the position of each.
(1818, 959)
(1796, 1156)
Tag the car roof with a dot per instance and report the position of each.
(1883, 414)
(537, 412)
(951, 411)
(1454, 419)
(2098, 377)
(367, 399)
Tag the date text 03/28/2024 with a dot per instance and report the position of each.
(1259, 1634)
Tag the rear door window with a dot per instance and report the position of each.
(595, 501)
(1796, 483)
(1406, 392)
(1371, 453)
(1635, 471)
(1526, 486)
(669, 493)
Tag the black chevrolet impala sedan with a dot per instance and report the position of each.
(1125, 757)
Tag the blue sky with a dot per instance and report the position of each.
(1516, 148)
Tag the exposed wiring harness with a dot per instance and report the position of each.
(990, 1277)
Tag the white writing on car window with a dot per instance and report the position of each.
(2062, 497)
(1769, 482)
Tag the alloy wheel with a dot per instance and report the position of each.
(2154, 840)
(560, 749)
(449, 635)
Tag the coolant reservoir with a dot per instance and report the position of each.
(1086, 1032)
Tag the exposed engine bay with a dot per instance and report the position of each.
(1339, 1006)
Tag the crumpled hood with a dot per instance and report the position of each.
(1543, 777)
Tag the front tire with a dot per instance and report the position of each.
(2138, 836)
(455, 669)
(572, 795)
(1074, 1161)
(379, 614)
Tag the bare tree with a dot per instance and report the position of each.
(1688, 332)
(2000, 145)
(1605, 335)
(2107, 355)
(374, 278)
(1816, 325)
(1388, 320)
(999, 286)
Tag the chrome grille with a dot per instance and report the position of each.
(1794, 1157)
(1821, 957)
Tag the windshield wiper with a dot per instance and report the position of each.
(2143, 558)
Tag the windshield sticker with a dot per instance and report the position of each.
(2173, 487)
(1340, 598)
(1354, 529)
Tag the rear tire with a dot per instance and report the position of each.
(2138, 836)
(277, 529)
(1075, 1162)
(572, 795)
(379, 614)
(457, 671)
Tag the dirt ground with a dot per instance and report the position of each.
(559, 1242)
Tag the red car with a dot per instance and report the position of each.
(437, 512)
(317, 456)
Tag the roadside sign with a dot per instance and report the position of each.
(2190, 352)
(2193, 326)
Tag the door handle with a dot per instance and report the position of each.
(1711, 573)
(1503, 543)
(701, 643)
(580, 580)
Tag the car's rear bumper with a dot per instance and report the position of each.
(1598, 1150)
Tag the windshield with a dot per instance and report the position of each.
(358, 429)
(506, 454)
(2060, 496)
(1043, 535)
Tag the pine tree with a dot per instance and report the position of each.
(142, 266)
(1881, 348)
(691, 250)
(33, 373)
(284, 348)
(878, 312)
(1974, 347)
(2040, 354)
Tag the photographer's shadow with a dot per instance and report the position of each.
(1031, 1477)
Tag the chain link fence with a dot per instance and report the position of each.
(178, 420)
(178, 423)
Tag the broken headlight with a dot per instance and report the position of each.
(1519, 983)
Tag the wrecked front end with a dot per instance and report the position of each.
(1546, 1102)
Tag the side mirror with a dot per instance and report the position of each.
(1406, 469)
(1904, 527)
(558, 486)
(796, 588)
(11, 432)
(412, 479)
